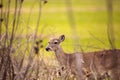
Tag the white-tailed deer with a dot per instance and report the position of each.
(99, 62)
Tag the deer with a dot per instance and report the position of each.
(84, 65)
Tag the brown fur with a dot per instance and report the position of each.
(103, 62)
(100, 62)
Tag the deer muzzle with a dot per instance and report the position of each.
(48, 49)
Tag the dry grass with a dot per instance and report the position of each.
(25, 66)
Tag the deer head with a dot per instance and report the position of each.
(54, 44)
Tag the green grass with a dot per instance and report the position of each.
(90, 17)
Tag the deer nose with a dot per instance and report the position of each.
(47, 49)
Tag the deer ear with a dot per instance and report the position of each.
(62, 38)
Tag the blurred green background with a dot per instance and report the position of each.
(90, 20)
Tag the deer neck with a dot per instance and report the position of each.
(61, 56)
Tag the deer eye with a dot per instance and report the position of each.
(55, 42)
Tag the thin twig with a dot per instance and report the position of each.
(1, 17)
(97, 38)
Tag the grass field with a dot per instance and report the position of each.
(90, 17)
